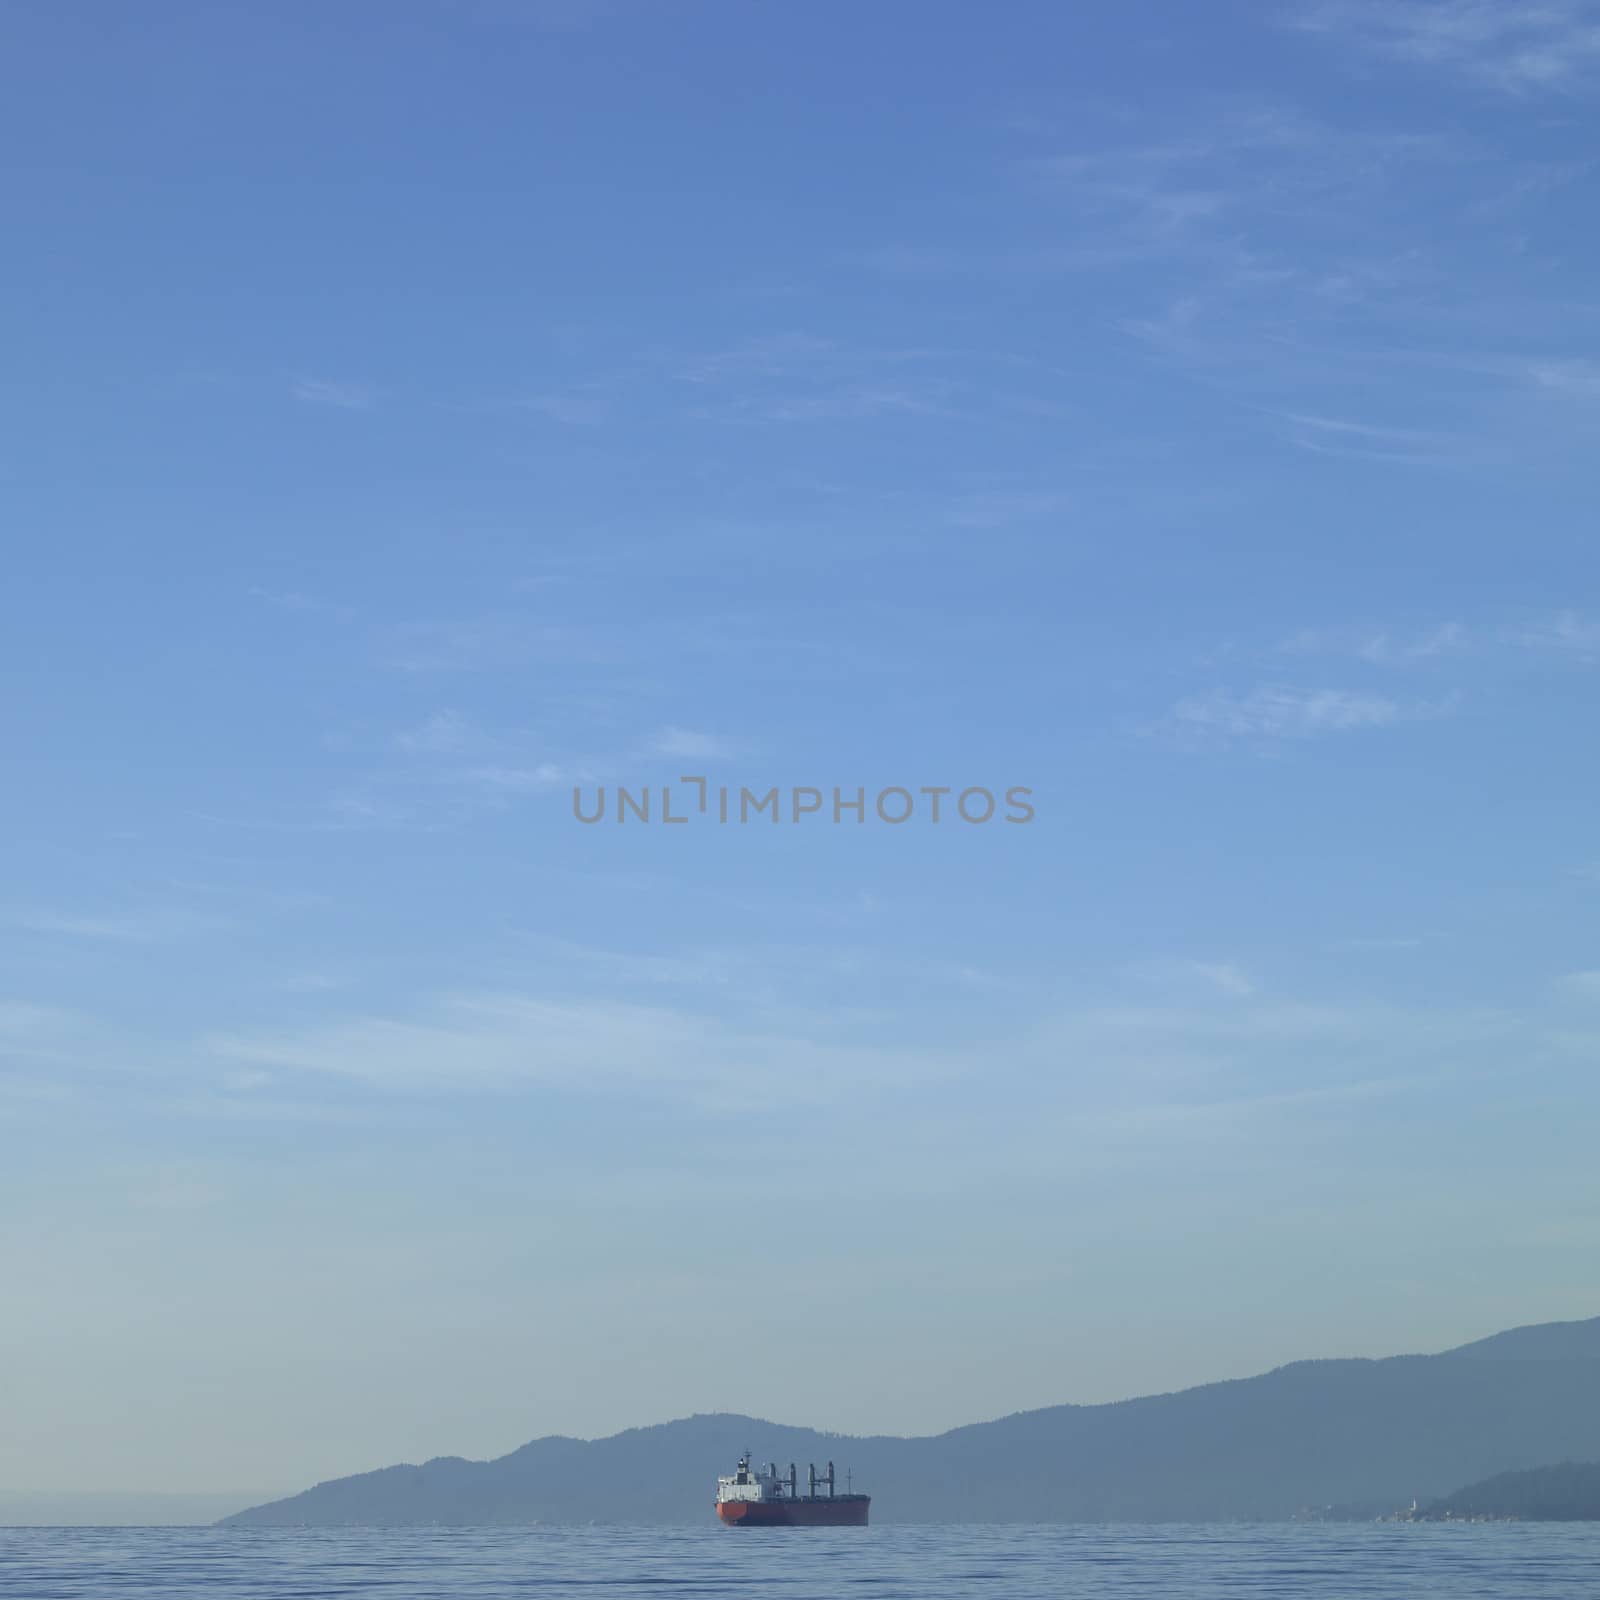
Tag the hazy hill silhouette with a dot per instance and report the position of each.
(1310, 1434)
(1569, 1492)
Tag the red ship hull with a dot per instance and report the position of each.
(834, 1511)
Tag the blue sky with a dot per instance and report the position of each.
(413, 411)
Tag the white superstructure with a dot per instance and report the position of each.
(751, 1483)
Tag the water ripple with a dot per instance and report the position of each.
(1352, 1562)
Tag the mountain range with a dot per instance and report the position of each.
(1310, 1434)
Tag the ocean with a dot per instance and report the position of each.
(1497, 1561)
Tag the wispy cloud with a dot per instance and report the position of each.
(1344, 436)
(305, 605)
(491, 643)
(1286, 713)
(1222, 977)
(1219, 1053)
(20, 1017)
(1380, 647)
(1570, 376)
(309, 982)
(1231, 184)
(341, 396)
(993, 508)
(1248, 197)
(1565, 634)
(1302, 261)
(582, 408)
(509, 781)
(488, 1041)
(690, 745)
(1225, 976)
(1503, 44)
(801, 377)
(451, 752)
(444, 733)
(148, 925)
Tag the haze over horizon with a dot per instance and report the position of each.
(414, 413)
(120, 1506)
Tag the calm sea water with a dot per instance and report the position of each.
(1498, 1562)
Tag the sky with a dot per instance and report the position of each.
(412, 414)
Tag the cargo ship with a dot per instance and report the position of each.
(751, 1498)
